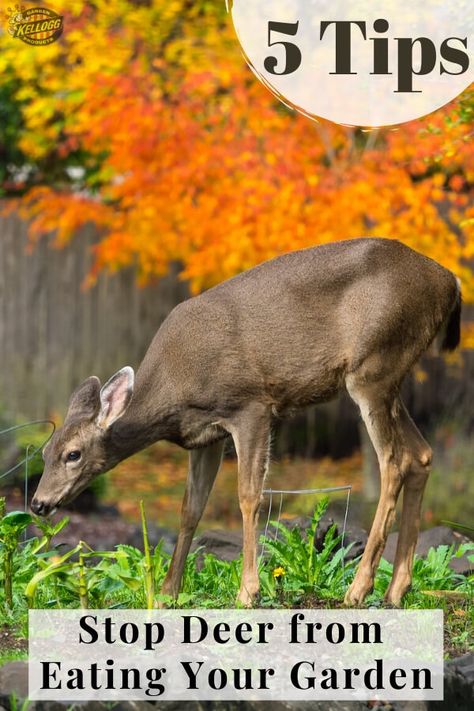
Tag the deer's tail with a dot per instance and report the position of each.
(452, 330)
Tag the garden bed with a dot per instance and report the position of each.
(304, 565)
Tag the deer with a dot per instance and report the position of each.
(228, 363)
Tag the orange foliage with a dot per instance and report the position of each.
(199, 163)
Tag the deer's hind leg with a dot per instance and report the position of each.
(413, 490)
(385, 417)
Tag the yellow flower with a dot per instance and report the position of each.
(279, 572)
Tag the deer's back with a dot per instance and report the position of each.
(291, 329)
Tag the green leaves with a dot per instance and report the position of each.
(434, 571)
(148, 573)
(89, 576)
(34, 575)
(49, 529)
(12, 526)
(56, 566)
(307, 570)
(14, 522)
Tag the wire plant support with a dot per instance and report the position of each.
(30, 451)
(271, 493)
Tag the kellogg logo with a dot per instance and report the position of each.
(36, 26)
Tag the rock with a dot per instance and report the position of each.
(13, 680)
(458, 695)
(432, 538)
(354, 535)
(303, 523)
(155, 535)
(458, 684)
(225, 545)
(309, 706)
(458, 689)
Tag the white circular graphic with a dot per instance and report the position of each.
(359, 62)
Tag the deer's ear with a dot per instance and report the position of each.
(85, 400)
(115, 396)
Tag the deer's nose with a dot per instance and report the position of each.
(39, 507)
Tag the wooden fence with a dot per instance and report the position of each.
(53, 333)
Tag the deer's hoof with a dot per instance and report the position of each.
(356, 595)
(393, 598)
(399, 586)
(247, 597)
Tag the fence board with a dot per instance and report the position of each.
(53, 334)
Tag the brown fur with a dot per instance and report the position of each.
(290, 332)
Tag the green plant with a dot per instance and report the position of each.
(148, 573)
(435, 573)
(83, 592)
(49, 529)
(303, 568)
(57, 564)
(432, 573)
(16, 705)
(293, 573)
(12, 526)
(126, 567)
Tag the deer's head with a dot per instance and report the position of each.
(81, 448)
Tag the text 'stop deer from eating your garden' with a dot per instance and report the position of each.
(292, 331)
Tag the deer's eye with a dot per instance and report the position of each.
(73, 456)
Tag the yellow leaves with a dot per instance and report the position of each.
(467, 335)
(74, 7)
(421, 376)
(38, 112)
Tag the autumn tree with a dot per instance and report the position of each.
(145, 120)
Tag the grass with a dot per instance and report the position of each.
(292, 574)
(13, 655)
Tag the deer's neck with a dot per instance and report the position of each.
(149, 418)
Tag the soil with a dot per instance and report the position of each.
(10, 642)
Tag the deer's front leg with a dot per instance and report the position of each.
(251, 436)
(203, 467)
